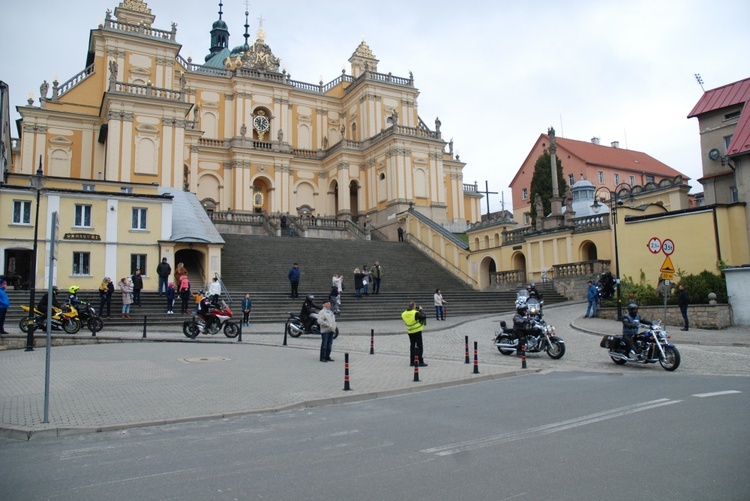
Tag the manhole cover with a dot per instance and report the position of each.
(203, 360)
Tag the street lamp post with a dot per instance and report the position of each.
(37, 182)
(614, 201)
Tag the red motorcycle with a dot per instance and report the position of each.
(211, 318)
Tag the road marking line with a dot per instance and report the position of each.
(716, 393)
(469, 445)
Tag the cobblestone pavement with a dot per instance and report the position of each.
(168, 378)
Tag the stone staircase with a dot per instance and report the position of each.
(259, 265)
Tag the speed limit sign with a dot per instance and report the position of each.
(668, 247)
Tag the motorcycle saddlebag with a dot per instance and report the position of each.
(607, 342)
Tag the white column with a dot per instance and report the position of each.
(166, 148)
(126, 167)
(113, 149)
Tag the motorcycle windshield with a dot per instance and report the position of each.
(533, 304)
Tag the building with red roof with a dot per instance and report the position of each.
(724, 124)
(601, 165)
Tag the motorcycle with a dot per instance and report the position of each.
(211, 318)
(540, 337)
(651, 346)
(295, 327)
(62, 319)
(87, 314)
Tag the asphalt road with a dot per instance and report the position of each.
(560, 435)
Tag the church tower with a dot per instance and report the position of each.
(219, 36)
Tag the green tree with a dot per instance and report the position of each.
(541, 182)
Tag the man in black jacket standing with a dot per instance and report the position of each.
(682, 301)
(163, 271)
(137, 286)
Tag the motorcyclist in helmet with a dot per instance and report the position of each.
(42, 305)
(533, 292)
(73, 296)
(630, 323)
(520, 326)
(308, 307)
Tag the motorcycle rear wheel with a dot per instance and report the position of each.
(292, 329)
(231, 330)
(71, 325)
(556, 349)
(671, 360)
(95, 324)
(23, 324)
(619, 361)
(504, 338)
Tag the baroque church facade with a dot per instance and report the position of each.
(239, 133)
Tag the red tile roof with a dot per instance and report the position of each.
(617, 158)
(723, 97)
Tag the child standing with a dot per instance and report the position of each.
(170, 299)
(247, 305)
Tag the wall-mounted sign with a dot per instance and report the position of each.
(81, 236)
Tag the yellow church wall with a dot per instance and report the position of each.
(734, 250)
(697, 246)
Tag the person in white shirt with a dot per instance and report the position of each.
(439, 302)
(214, 291)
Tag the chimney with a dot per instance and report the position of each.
(615, 144)
(595, 140)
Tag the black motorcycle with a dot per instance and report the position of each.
(651, 346)
(295, 327)
(88, 315)
(540, 336)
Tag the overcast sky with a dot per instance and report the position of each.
(497, 73)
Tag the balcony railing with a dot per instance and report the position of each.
(140, 29)
(583, 268)
(147, 91)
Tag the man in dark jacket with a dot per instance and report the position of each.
(521, 327)
(631, 321)
(682, 301)
(308, 308)
(137, 286)
(42, 305)
(163, 271)
(293, 276)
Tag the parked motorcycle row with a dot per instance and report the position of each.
(70, 318)
(652, 345)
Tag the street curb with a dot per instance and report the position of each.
(21, 433)
(681, 341)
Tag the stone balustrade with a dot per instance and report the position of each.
(702, 316)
